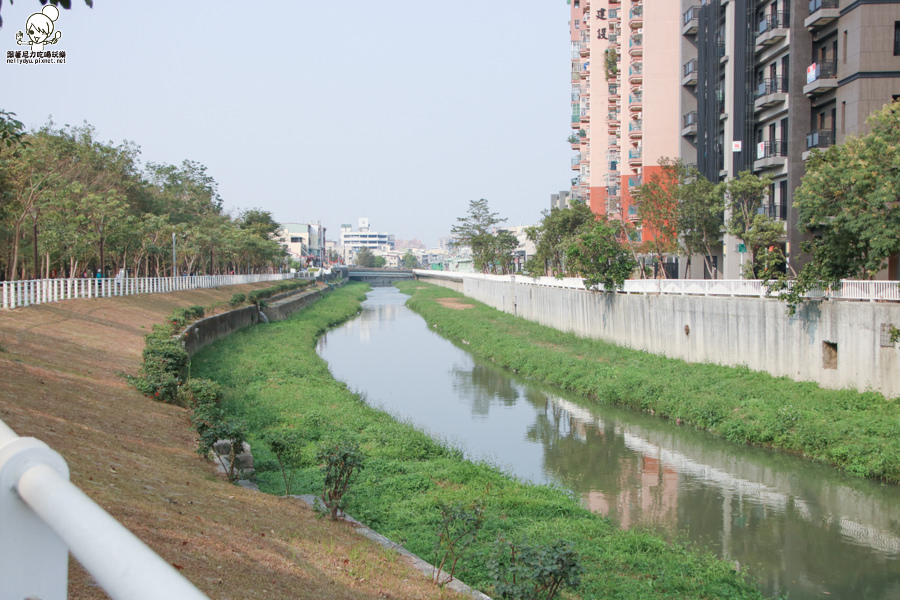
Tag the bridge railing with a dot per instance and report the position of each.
(849, 289)
(14, 294)
(43, 517)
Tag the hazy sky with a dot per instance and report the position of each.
(398, 111)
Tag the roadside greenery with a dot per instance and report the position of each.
(72, 205)
(857, 432)
(272, 378)
(492, 246)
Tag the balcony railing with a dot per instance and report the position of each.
(775, 211)
(778, 20)
(824, 70)
(689, 119)
(822, 138)
(772, 85)
(635, 154)
(576, 160)
(689, 68)
(635, 98)
(636, 68)
(771, 148)
(636, 40)
(815, 5)
(636, 125)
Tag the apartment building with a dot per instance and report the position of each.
(773, 79)
(626, 100)
(728, 85)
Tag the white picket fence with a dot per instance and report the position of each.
(14, 294)
(43, 517)
(850, 289)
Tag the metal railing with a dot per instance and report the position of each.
(871, 291)
(771, 85)
(822, 138)
(14, 294)
(689, 67)
(43, 517)
(771, 148)
(823, 70)
(815, 5)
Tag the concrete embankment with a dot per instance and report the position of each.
(836, 344)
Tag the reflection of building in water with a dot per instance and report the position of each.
(653, 502)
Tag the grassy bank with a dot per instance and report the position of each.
(857, 432)
(274, 378)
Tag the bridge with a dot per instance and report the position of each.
(378, 277)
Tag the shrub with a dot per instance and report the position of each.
(287, 446)
(531, 572)
(200, 391)
(238, 299)
(164, 368)
(208, 420)
(460, 523)
(340, 464)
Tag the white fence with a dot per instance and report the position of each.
(39, 291)
(43, 517)
(849, 290)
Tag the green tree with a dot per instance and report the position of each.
(379, 262)
(657, 201)
(744, 196)
(700, 216)
(503, 244)
(553, 236)
(409, 260)
(475, 231)
(600, 257)
(365, 258)
(848, 203)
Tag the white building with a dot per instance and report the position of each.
(304, 241)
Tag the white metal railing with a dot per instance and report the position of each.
(43, 517)
(39, 291)
(849, 289)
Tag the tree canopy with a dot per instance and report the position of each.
(553, 236)
(599, 255)
(491, 247)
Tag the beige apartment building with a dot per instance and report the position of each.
(728, 85)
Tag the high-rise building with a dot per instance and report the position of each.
(773, 79)
(626, 99)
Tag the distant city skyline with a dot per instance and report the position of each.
(403, 113)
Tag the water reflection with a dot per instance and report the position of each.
(798, 527)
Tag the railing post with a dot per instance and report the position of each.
(33, 559)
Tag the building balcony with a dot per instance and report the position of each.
(636, 102)
(772, 29)
(632, 213)
(689, 72)
(690, 21)
(576, 162)
(634, 157)
(822, 138)
(636, 45)
(775, 211)
(635, 129)
(689, 124)
(770, 154)
(820, 77)
(636, 17)
(821, 13)
(636, 73)
(770, 92)
(576, 120)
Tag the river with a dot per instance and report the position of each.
(799, 528)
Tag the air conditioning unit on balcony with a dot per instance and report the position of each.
(640, 30)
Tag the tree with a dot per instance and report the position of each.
(848, 203)
(365, 258)
(744, 196)
(657, 202)
(599, 256)
(503, 244)
(379, 262)
(475, 230)
(409, 260)
(700, 216)
(553, 236)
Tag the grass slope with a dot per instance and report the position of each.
(62, 383)
(857, 432)
(274, 378)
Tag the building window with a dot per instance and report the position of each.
(896, 38)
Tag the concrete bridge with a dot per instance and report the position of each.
(378, 277)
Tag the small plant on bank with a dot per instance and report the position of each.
(460, 523)
(211, 425)
(287, 446)
(238, 299)
(522, 571)
(340, 464)
(165, 365)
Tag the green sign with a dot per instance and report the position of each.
(742, 248)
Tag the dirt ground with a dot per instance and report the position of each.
(454, 303)
(63, 368)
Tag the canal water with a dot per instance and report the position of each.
(799, 528)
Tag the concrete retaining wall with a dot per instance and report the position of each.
(208, 330)
(837, 344)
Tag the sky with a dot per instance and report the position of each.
(399, 111)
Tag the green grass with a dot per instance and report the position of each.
(856, 432)
(273, 377)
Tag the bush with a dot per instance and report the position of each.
(200, 391)
(238, 299)
(164, 368)
(526, 572)
(341, 464)
(287, 446)
(460, 523)
(208, 420)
